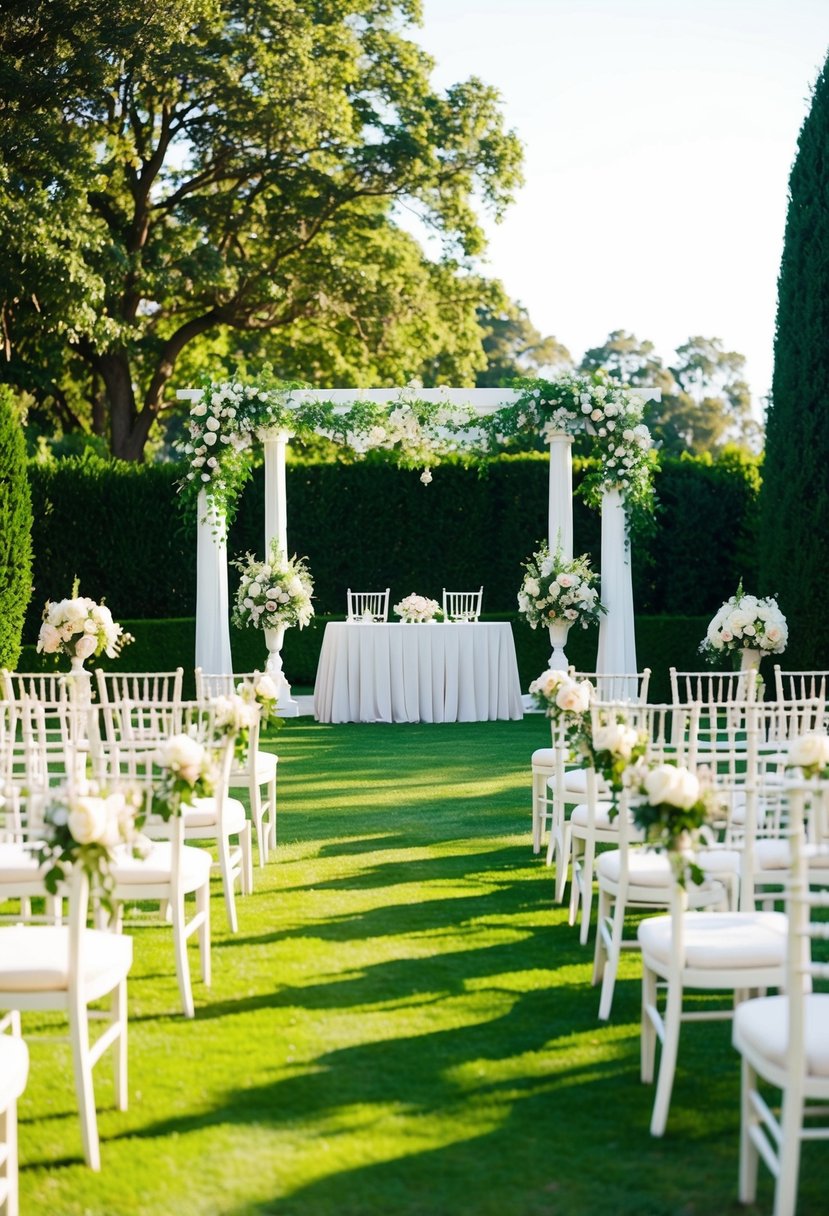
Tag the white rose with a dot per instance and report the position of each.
(212, 424)
(183, 755)
(616, 738)
(198, 410)
(574, 697)
(809, 751)
(266, 689)
(48, 639)
(88, 820)
(531, 586)
(255, 589)
(86, 646)
(210, 438)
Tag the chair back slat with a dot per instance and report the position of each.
(368, 605)
(462, 605)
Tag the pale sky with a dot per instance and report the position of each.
(659, 136)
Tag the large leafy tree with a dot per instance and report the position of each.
(513, 346)
(795, 494)
(172, 171)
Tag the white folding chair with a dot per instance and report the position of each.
(68, 967)
(259, 767)
(14, 1072)
(368, 605)
(462, 605)
(783, 1040)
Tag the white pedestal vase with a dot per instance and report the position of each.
(286, 706)
(558, 640)
(750, 659)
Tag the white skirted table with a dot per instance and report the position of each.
(435, 672)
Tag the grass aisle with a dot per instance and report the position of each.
(404, 1024)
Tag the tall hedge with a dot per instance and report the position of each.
(795, 495)
(118, 527)
(15, 531)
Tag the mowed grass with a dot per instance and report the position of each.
(403, 1024)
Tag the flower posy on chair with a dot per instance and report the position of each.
(80, 628)
(556, 589)
(745, 622)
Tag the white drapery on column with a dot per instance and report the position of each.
(560, 506)
(212, 623)
(276, 528)
(617, 642)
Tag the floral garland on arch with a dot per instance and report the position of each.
(610, 413)
(229, 414)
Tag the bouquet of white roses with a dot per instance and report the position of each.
(560, 696)
(673, 805)
(82, 826)
(80, 628)
(262, 692)
(746, 622)
(274, 592)
(809, 753)
(555, 590)
(187, 772)
(613, 748)
(417, 609)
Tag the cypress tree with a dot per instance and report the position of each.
(794, 531)
(15, 531)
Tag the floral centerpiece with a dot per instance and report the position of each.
(417, 609)
(745, 622)
(274, 592)
(82, 826)
(556, 590)
(809, 753)
(80, 628)
(672, 806)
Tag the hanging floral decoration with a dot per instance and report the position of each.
(229, 416)
(610, 413)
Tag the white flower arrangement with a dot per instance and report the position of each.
(559, 590)
(82, 825)
(274, 592)
(672, 806)
(417, 609)
(261, 690)
(187, 773)
(745, 622)
(80, 628)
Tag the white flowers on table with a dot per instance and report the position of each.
(274, 592)
(80, 628)
(416, 609)
(558, 590)
(746, 622)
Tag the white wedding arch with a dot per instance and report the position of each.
(617, 646)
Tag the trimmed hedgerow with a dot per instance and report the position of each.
(15, 531)
(118, 527)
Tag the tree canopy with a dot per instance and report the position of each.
(175, 172)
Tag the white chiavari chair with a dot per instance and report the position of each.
(14, 1072)
(800, 685)
(256, 770)
(731, 952)
(367, 605)
(144, 687)
(68, 968)
(462, 605)
(783, 1040)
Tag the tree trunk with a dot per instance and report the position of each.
(115, 370)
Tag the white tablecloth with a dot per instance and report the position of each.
(464, 672)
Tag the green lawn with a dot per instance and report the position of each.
(403, 1024)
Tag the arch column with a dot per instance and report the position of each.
(212, 620)
(560, 503)
(276, 529)
(617, 640)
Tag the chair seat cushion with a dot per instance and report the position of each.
(720, 940)
(646, 868)
(544, 757)
(17, 863)
(14, 1068)
(575, 782)
(264, 771)
(579, 817)
(720, 862)
(35, 958)
(763, 1025)
(203, 815)
(156, 868)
